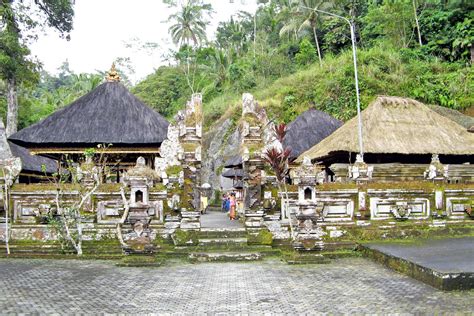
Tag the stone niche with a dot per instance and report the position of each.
(139, 235)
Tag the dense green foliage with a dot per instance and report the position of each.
(280, 65)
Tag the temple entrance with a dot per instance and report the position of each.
(215, 217)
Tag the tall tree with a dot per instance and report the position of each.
(312, 18)
(17, 20)
(190, 22)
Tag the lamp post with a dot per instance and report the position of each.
(354, 55)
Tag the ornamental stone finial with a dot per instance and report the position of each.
(112, 74)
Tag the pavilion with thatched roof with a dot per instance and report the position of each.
(397, 131)
(109, 114)
(395, 128)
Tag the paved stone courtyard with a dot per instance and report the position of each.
(352, 285)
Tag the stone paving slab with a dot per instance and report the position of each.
(444, 255)
(352, 285)
(218, 219)
(446, 264)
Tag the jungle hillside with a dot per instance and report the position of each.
(291, 57)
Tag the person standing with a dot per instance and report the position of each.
(227, 203)
(233, 203)
(224, 203)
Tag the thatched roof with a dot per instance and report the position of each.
(393, 125)
(308, 129)
(33, 163)
(234, 173)
(456, 116)
(108, 114)
(234, 161)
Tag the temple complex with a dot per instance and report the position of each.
(415, 171)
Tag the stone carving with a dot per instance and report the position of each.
(436, 170)
(360, 171)
(170, 150)
(254, 120)
(248, 104)
(401, 211)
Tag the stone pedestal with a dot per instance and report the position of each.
(139, 240)
(139, 237)
(190, 135)
(253, 120)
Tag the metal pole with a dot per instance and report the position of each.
(354, 55)
(359, 117)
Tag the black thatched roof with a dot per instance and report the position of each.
(32, 163)
(234, 161)
(234, 173)
(308, 129)
(108, 114)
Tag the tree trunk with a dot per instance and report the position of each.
(417, 23)
(317, 46)
(12, 101)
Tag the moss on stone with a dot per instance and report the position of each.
(189, 147)
(185, 238)
(264, 237)
(158, 187)
(174, 170)
(109, 187)
(36, 187)
(424, 186)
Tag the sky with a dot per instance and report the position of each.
(102, 27)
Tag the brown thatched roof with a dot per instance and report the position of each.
(108, 114)
(308, 129)
(393, 125)
(33, 163)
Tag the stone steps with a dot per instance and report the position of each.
(309, 258)
(222, 241)
(196, 257)
(222, 233)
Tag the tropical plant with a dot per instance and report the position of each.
(313, 18)
(278, 159)
(17, 22)
(190, 22)
(67, 218)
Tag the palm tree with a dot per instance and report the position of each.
(190, 23)
(312, 19)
